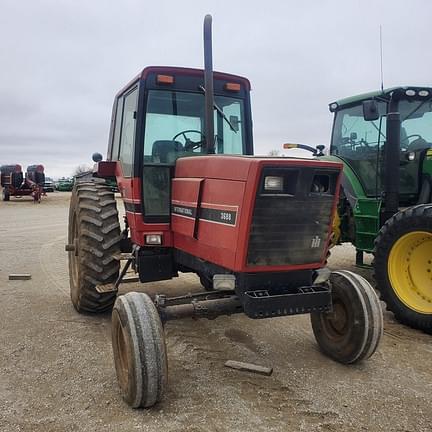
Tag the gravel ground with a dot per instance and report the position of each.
(57, 374)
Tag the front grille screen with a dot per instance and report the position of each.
(290, 228)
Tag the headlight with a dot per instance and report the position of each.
(153, 239)
(272, 183)
(410, 92)
(423, 93)
(411, 156)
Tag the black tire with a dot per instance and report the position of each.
(17, 179)
(6, 195)
(409, 300)
(94, 231)
(139, 350)
(39, 178)
(353, 330)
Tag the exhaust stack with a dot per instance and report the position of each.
(208, 84)
(392, 158)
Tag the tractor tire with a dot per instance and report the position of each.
(5, 195)
(94, 236)
(403, 266)
(353, 330)
(39, 178)
(139, 350)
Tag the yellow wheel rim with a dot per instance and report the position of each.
(336, 230)
(410, 270)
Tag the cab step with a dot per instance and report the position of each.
(113, 286)
(124, 257)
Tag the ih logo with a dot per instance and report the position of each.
(316, 241)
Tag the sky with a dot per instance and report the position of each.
(62, 61)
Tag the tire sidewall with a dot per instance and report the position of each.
(348, 347)
(73, 219)
(119, 318)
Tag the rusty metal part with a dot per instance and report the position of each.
(192, 306)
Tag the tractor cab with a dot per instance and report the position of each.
(160, 117)
(360, 138)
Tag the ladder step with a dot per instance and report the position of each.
(106, 288)
(124, 257)
(130, 279)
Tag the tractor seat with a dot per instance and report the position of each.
(166, 151)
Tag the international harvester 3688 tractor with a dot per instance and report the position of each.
(256, 230)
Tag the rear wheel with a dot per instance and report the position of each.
(139, 350)
(94, 237)
(403, 266)
(5, 195)
(353, 330)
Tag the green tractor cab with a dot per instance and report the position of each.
(384, 140)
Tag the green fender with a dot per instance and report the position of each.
(366, 210)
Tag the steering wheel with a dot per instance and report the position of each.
(411, 136)
(407, 145)
(189, 144)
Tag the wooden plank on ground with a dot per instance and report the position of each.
(249, 367)
(19, 276)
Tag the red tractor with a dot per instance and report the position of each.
(255, 230)
(14, 183)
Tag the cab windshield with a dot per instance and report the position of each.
(174, 126)
(360, 143)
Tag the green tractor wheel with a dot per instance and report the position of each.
(403, 266)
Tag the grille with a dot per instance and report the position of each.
(292, 228)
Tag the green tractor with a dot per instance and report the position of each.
(384, 140)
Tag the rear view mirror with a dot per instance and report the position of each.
(234, 120)
(370, 110)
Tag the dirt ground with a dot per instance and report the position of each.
(57, 374)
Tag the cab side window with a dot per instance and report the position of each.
(127, 134)
(117, 128)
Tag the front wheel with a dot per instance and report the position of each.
(139, 350)
(351, 332)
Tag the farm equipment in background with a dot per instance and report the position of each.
(384, 140)
(65, 185)
(255, 230)
(15, 184)
(49, 185)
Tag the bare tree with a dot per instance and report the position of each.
(81, 169)
(274, 153)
